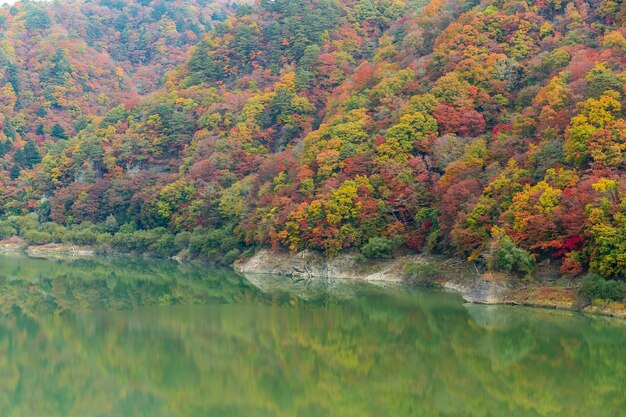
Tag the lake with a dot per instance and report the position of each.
(135, 337)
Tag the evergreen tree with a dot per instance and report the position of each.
(30, 155)
(15, 172)
(58, 132)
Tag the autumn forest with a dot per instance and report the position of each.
(493, 131)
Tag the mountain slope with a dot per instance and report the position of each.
(62, 62)
(491, 129)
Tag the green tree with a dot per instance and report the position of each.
(378, 248)
(58, 132)
(35, 18)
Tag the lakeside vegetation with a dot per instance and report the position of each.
(222, 248)
(215, 246)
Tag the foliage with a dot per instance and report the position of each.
(216, 246)
(321, 124)
(504, 255)
(594, 287)
(378, 248)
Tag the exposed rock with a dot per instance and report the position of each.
(484, 291)
(455, 275)
(309, 264)
(51, 250)
(16, 245)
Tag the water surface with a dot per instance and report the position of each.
(134, 337)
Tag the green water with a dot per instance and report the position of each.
(127, 337)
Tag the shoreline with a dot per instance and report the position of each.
(49, 250)
(548, 290)
(463, 278)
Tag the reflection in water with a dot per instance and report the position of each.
(283, 350)
(31, 286)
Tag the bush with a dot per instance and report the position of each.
(378, 248)
(182, 240)
(82, 236)
(213, 244)
(421, 274)
(111, 225)
(23, 223)
(123, 242)
(164, 246)
(230, 256)
(35, 237)
(57, 231)
(6, 230)
(139, 241)
(218, 245)
(505, 255)
(595, 287)
(103, 242)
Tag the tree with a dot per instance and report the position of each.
(378, 248)
(596, 133)
(463, 122)
(111, 225)
(601, 79)
(473, 230)
(31, 154)
(15, 171)
(615, 40)
(58, 132)
(606, 224)
(37, 19)
(58, 70)
(414, 130)
(504, 255)
(595, 287)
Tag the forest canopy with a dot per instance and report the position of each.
(490, 130)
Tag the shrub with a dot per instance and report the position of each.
(23, 223)
(127, 228)
(595, 287)
(421, 274)
(6, 230)
(164, 245)
(378, 248)
(103, 242)
(230, 256)
(82, 236)
(182, 240)
(145, 240)
(505, 255)
(35, 237)
(212, 243)
(56, 231)
(111, 225)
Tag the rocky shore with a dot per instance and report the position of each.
(548, 289)
(16, 245)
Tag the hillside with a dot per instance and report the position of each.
(493, 130)
(63, 62)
